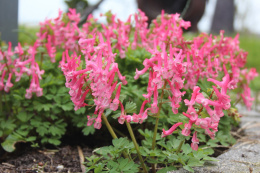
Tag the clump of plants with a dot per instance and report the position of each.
(178, 94)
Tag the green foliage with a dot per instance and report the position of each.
(40, 120)
(109, 158)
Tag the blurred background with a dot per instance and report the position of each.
(246, 12)
(21, 17)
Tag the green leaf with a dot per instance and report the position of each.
(167, 169)
(63, 90)
(54, 141)
(17, 97)
(130, 166)
(173, 157)
(42, 130)
(195, 162)
(53, 89)
(9, 143)
(55, 131)
(80, 111)
(49, 96)
(88, 130)
(31, 139)
(186, 148)
(122, 163)
(120, 142)
(112, 165)
(210, 158)
(1, 133)
(188, 168)
(198, 154)
(9, 124)
(23, 116)
(130, 107)
(67, 107)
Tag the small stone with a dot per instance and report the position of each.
(40, 164)
(60, 167)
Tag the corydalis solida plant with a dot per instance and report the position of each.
(176, 65)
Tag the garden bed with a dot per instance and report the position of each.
(63, 159)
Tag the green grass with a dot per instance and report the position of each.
(251, 44)
(27, 35)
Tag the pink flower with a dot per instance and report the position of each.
(171, 130)
(8, 84)
(98, 121)
(154, 108)
(223, 84)
(114, 104)
(2, 80)
(122, 117)
(142, 114)
(51, 50)
(195, 141)
(90, 120)
(186, 130)
(246, 96)
(223, 98)
(196, 90)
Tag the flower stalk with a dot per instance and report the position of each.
(111, 131)
(136, 146)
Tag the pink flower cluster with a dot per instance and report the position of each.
(176, 64)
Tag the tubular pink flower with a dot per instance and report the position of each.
(139, 118)
(154, 107)
(51, 50)
(192, 116)
(223, 84)
(98, 121)
(90, 120)
(2, 80)
(171, 130)
(186, 130)
(195, 141)
(223, 98)
(114, 105)
(28, 93)
(8, 84)
(149, 88)
(122, 117)
(141, 72)
(196, 90)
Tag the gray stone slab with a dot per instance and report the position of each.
(241, 158)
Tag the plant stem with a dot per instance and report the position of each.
(156, 125)
(1, 103)
(111, 131)
(238, 100)
(136, 145)
(7, 106)
(118, 132)
(41, 60)
(179, 147)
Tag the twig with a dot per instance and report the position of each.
(81, 159)
(8, 164)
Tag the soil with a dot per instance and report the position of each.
(65, 159)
